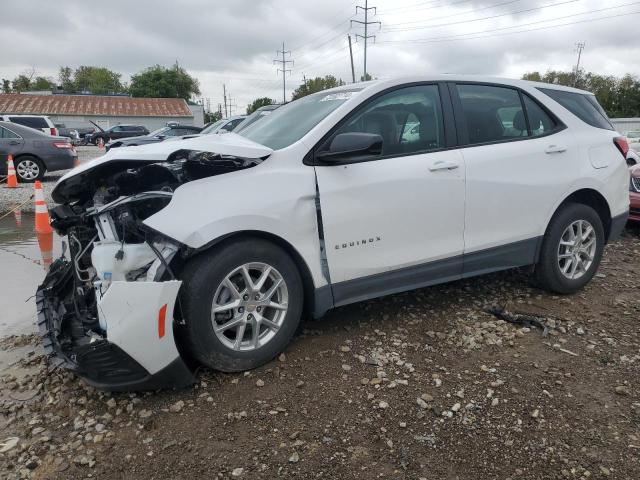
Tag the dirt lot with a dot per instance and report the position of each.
(418, 385)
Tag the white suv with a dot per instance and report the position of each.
(38, 122)
(341, 196)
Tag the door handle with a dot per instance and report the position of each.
(443, 165)
(555, 149)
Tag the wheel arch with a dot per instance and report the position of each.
(593, 199)
(308, 284)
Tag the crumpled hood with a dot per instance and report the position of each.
(128, 157)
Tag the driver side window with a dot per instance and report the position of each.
(409, 121)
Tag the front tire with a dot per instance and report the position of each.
(571, 249)
(242, 303)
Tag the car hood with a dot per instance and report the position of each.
(81, 178)
(141, 138)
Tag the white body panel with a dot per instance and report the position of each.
(130, 312)
(412, 214)
(493, 195)
(510, 191)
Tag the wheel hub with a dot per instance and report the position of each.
(249, 306)
(577, 249)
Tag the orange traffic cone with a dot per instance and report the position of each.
(100, 143)
(12, 180)
(42, 214)
(17, 214)
(45, 242)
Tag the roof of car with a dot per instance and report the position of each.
(22, 130)
(449, 77)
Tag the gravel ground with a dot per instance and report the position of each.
(421, 385)
(12, 197)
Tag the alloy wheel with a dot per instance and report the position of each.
(249, 306)
(577, 249)
(28, 170)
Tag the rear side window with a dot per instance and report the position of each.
(4, 133)
(492, 114)
(582, 105)
(33, 122)
(540, 122)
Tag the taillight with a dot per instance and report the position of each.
(623, 145)
(62, 145)
(54, 132)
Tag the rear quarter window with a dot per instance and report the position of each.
(582, 105)
(33, 122)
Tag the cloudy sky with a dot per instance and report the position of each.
(235, 42)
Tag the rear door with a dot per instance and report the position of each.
(394, 221)
(519, 160)
(10, 143)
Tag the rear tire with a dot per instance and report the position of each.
(29, 169)
(255, 331)
(571, 249)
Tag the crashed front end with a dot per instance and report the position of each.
(106, 308)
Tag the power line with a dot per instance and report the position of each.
(417, 6)
(284, 70)
(526, 10)
(452, 39)
(300, 46)
(366, 36)
(467, 12)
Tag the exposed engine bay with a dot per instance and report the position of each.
(121, 341)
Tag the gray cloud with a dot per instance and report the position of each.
(235, 42)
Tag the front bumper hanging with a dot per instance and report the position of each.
(138, 351)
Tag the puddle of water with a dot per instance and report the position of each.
(21, 271)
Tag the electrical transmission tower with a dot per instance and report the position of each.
(579, 48)
(366, 35)
(284, 70)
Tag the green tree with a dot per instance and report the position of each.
(65, 77)
(97, 80)
(42, 83)
(6, 85)
(21, 83)
(257, 103)
(367, 78)
(316, 85)
(211, 117)
(158, 81)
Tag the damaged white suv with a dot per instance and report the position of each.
(211, 249)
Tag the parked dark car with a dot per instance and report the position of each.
(71, 133)
(118, 131)
(34, 152)
(171, 130)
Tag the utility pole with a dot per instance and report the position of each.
(224, 93)
(353, 72)
(366, 35)
(284, 70)
(579, 48)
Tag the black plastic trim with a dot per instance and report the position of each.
(504, 257)
(617, 226)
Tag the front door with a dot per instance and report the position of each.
(396, 220)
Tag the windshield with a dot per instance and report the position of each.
(159, 131)
(213, 127)
(291, 122)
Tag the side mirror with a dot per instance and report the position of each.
(162, 137)
(348, 146)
